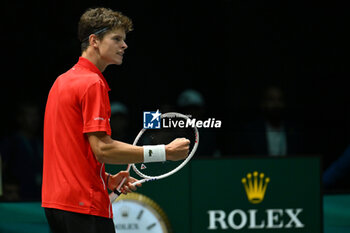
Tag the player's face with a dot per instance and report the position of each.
(112, 47)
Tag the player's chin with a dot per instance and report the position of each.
(118, 61)
(115, 60)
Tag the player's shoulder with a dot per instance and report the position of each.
(80, 76)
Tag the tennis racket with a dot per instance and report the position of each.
(177, 126)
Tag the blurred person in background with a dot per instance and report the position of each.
(272, 133)
(0, 176)
(120, 122)
(191, 102)
(22, 154)
(337, 175)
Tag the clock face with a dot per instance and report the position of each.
(134, 216)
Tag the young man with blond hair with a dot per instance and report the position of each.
(77, 141)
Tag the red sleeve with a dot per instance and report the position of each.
(96, 109)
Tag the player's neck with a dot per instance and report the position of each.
(95, 59)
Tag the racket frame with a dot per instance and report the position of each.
(147, 178)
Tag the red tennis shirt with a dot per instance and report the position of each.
(73, 180)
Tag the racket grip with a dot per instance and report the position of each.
(116, 192)
(114, 195)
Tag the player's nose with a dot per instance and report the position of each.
(124, 45)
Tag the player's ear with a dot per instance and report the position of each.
(93, 41)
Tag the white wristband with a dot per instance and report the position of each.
(154, 154)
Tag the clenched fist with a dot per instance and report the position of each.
(177, 149)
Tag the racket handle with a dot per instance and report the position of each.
(120, 185)
(114, 195)
(116, 192)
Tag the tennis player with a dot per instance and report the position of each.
(77, 132)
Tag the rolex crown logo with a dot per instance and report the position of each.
(255, 186)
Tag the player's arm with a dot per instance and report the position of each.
(107, 150)
(112, 151)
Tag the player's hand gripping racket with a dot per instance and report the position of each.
(175, 125)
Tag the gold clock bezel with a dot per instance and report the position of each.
(148, 203)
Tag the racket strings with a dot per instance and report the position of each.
(163, 136)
